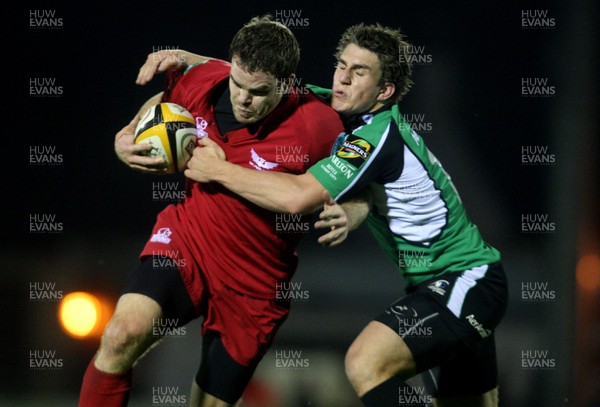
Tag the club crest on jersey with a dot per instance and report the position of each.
(439, 286)
(162, 236)
(260, 163)
(201, 125)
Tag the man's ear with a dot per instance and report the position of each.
(386, 92)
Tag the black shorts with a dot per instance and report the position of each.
(219, 374)
(448, 323)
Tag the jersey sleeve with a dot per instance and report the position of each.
(183, 85)
(368, 154)
(322, 93)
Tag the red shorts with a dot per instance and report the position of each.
(247, 325)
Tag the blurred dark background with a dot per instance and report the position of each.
(469, 105)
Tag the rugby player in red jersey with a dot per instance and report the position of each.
(221, 257)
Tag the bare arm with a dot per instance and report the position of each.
(275, 191)
(167, 60)
(134, 154)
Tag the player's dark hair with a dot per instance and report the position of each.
(266, 45)
(391, 49)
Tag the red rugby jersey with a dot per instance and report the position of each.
(235, 242)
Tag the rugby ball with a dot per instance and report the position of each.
(171, 130)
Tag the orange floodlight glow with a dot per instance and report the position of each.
(82, 315)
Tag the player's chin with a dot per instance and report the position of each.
(246, 118)
(341, 108)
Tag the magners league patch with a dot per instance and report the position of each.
(355, 150)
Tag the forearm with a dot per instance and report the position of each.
(187, 58)
(357, 209)
(275, 191)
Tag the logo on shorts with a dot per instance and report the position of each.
(478, 327)
(402, 310)
(409, 323)
(162, 236)
(439, 286)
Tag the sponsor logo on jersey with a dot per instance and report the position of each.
(355, 150)
(260, 163)
(162, 236)
(439, 286)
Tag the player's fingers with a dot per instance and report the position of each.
(329, 239)
(134, 122)
(145, 161)
(207, 142)
(139, 148)
(147, 71)
(149, 169)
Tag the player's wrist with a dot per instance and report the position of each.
(222, 171)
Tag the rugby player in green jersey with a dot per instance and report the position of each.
(381, 170)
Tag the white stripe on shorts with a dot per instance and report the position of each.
(462, 285)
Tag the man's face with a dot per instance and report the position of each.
(253, 95)
(356, 81)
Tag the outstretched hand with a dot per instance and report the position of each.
(333, 217)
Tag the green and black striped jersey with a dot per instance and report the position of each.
(417, 214)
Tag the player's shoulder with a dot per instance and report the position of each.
(310, 103)
(210, 67)
(374, 126)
